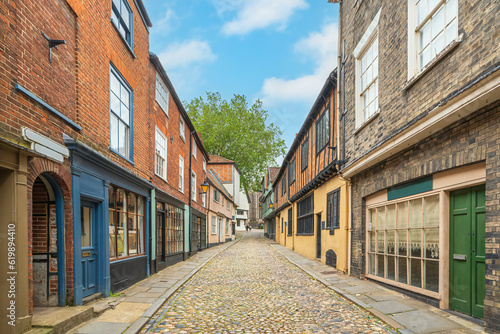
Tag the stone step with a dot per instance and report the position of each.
(60, 319)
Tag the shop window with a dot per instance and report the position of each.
(305, 216)
(332, 209)
(126, 223)
(403, 242)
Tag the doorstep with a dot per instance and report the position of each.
(57, 320)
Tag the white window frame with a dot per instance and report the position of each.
(120, 114)
(204, 165)
(195, 148)
(228, 205)
(162, 94)
(193, 186)
(182, 129)
(203, 200)
(414, 66)
(215, 196)
(214, 225)
(371, 34)
(158, 154)
(123, 22)
(181, 174)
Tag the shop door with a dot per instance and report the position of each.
(467, 250)
(89, 248)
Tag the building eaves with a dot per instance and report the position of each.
(330, 83)
(144, 14)
(163, 74)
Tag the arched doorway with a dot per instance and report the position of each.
(48, 243)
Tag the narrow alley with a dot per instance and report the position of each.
(250, 287)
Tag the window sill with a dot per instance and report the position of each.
(372, 117)
(125, 258)
(122, 156)
(162, 109)
(124, 40)
(433, 62)
(161, 177)
(305, 234)
(183, 138)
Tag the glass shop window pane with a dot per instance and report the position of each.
(432, 275)
(373, 220)
(380, 265)
(402, 222)
(416, 242)
(431, 243)
(431, 211)
(371, 264)
(416, 272)
(416, 213)
(381, 218)
(372, 241)
(391, 242)
(391, 273)
(391, 217)
(380, 241)
(402, 270)
(402, 243)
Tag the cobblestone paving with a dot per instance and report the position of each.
(250, 288)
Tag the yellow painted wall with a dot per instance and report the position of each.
(306, 245)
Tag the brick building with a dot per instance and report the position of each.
(82, 128)
(310, 199)
(180, 162)
(419, 91)
(219, 211)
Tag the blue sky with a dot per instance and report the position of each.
(278, 51)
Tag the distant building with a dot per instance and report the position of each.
(230, 177)
(254, 217)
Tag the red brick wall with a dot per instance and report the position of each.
(176, 146)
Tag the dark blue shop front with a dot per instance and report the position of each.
(111, 217)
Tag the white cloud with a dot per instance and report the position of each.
(257, 14)
(186, 54)
(321, 48)
(168, 22)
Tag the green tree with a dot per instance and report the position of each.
(237, 131)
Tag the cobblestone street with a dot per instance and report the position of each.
(251, 288)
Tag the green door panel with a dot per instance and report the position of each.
(467, 238)
(478, 251)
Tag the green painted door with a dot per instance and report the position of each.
(467, 250)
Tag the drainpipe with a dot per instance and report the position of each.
(190, 190)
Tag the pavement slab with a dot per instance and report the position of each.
(388, 307)
(98, 327)
(424, 322)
